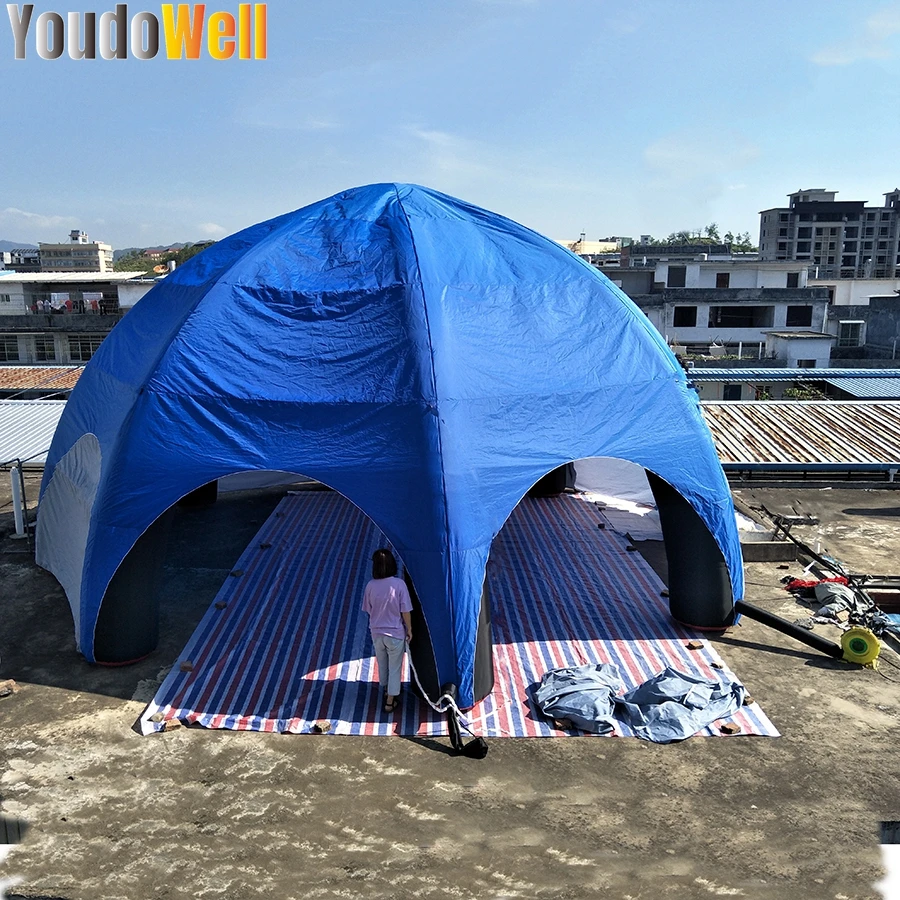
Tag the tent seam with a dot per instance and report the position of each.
(440, 435)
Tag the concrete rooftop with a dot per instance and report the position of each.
(195, 813)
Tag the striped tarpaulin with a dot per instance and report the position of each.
(285, 644)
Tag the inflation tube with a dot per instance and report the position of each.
(830, 648)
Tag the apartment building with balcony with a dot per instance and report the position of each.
(837, 239)
(62, 317)
(720, 304)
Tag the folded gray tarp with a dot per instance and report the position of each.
(582, 694)
(670, 706)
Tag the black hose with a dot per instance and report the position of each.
(830, 648)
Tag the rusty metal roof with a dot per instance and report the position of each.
(28, 378)
(805, 434)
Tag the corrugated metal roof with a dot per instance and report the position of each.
(24, 378)
(26, 429)
(53, 277)
(805, 434)
(760, 434)
(724, 373)
(868, 388)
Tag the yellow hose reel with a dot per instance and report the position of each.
(860, 646)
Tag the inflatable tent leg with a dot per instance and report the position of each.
(484, 649)
(205, 495)
(699, 584)
(555, 482)
(422, 653)
(127, 628)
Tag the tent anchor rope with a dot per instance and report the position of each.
(476, 748)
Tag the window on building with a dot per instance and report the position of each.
(793, 280)
(848, 262)
(9, 348)
(761, 393)
(850, 334)
(741, 316)
(851, 232)
(731, 392)
(723, 279)
(677, 276)
(81, 349)
(798, 316)
(849, 246)
(784, 217)
(803, 246)
(684, 317)
(806, 363)
(5, 298)
(45, 348)
(782, 247)
(804, 232)
(806, 217)
(870, 217)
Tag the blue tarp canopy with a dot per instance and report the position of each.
(428, 359)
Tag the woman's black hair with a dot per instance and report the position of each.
(383, 564)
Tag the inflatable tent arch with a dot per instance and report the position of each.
(426, 358)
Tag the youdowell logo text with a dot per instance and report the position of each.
(186, 32)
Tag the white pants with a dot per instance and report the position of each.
(389, 655)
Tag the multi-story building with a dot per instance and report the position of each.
(836, 238)
(22, 259)
(722, 305)
(56, 317)
(80, 254)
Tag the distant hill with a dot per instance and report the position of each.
(16, 245)
(130, 251)
(134, 260)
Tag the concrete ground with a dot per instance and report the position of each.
(194, 813)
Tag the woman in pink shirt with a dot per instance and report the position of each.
(387, 602)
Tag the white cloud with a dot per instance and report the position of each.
(448, 154)
(210, 229)
(875, 39)
(12, 218)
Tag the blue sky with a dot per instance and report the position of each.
(607, 118)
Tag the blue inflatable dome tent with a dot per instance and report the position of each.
(429, 360)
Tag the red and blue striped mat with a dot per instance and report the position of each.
(285, 646)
